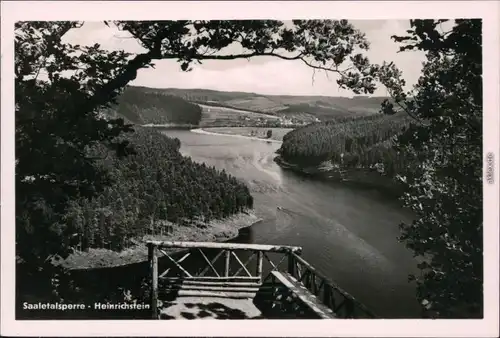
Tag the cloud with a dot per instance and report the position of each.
(264, 75)
(109, 38)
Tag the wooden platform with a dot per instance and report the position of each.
(224, 285)
(208, 298)
(210, 308)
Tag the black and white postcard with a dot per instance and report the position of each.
(316, 166)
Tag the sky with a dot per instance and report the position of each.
(263, 75)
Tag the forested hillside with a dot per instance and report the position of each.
(155, 185)
(143, 106)
(322, 107)
(363, 142)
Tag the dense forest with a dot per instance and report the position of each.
(352, 142)
(151, 188)
(143, 106)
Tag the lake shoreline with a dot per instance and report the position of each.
(245, 132)
(232, 133)
(215, 231)
(363, 178)
(183, 126)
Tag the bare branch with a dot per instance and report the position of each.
(230, 56)
(123, 37)
(329, 69)
(326, 73)
(42, 65)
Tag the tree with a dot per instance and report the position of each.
(59, 115)
(444, 183)
(57, 118)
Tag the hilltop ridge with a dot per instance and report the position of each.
(161, 105)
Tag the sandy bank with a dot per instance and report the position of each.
(170, 125)
(232, 134)
(214, 231)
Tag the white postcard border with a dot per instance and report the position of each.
(149, 10)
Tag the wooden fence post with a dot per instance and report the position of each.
(260, 260)
(291, 265)
(153, 261)
(327, 296)
(228, 261)
(349, 308)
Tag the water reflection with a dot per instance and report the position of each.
(349, 234)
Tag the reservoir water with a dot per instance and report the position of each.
(349, 234)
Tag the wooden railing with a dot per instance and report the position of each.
(211, 271)
(235, 266)
(339, 301)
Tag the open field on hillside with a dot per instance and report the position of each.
(217, 116)
(231, 112)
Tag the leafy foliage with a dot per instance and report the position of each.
(52, 131)
(444, 186)
(323, 42)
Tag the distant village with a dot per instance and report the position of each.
(282, 121)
